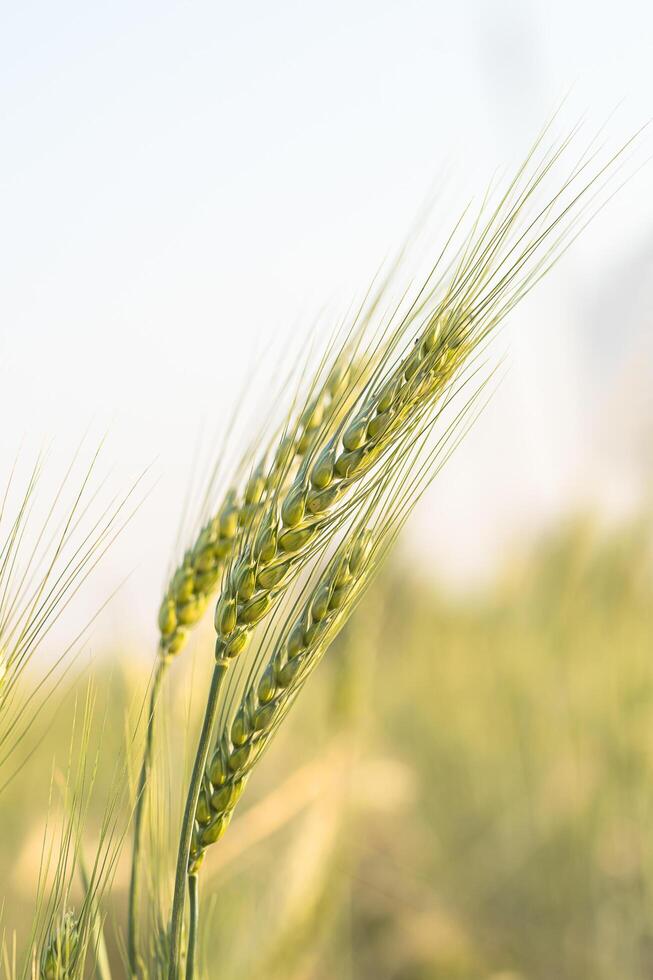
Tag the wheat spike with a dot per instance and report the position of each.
(423, 358)
(497, 264)
(267, 699)
(199, 574)
(306, 635)
(293, 524)
(201, 570)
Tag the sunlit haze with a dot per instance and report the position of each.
(184, 182)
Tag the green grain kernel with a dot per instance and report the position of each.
(287, 674)
(245, 580)
(226, 613)
(337, 379)
(218, 768)
(255, 488)
(177, 642)
(265, 716)
(237, 788)
(229, 522)
(204, 559)
(348, 462)
(431, 337)
(293, 540)
(313, 416)
(387, 396)
(190, 612)
(322, 472)
(254, 610)
(378, 425)
(267, 687)
(203, 812)
(268, 578)
(236, 643)
(265, 544)
(183, 584)
(359, 554)
(314, 633)
(240, 757)
(215, 830)
(221, 798)
(341, 574)
(296, 642)
(320, 605)
(354, 435)
(338, 597)
(292, 509)
(412, 363)
(207, 581)
(167, 617)
(320, 500)
(240, 730)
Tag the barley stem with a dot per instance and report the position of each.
(194, 901)
(186, 833)
(135, 963)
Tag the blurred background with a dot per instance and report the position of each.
(185, 186)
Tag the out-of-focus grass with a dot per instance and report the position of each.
(472, 788)
(528, 723)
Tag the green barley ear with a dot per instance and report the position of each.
(265, 701)
(333, 593)
(198, 576)
(426, 347)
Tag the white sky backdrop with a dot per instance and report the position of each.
(178, 180)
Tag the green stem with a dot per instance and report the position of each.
(135, 963)
(186, 834)
(194, 902)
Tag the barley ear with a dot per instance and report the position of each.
(198, 576)
(424, 355)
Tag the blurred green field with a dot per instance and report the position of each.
(466, 791)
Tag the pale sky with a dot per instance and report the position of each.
(181, 180)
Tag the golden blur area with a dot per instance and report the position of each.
(465, 790)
